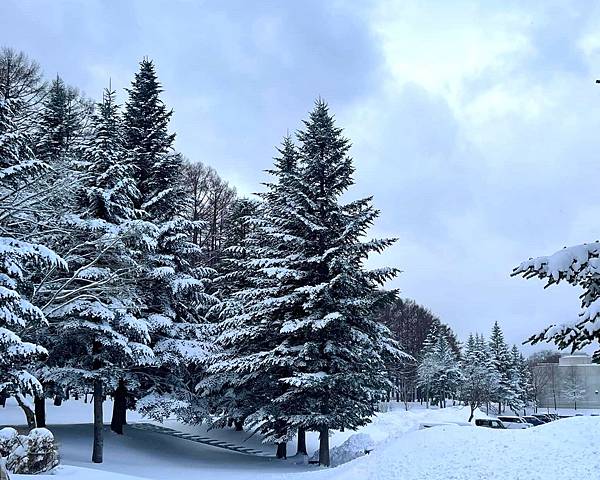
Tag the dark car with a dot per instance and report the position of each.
(543, 417)
(489, 423)
(533, 420)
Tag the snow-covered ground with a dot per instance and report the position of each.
(565, 449)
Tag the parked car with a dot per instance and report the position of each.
(533, 420)
(515, 423)
(441, 424)
(544, 417)
(489, 423)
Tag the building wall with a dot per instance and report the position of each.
(556, 378)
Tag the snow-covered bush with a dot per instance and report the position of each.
(33, 453)
(8, 441)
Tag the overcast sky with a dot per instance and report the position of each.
(476, 126)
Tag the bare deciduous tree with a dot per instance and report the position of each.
(21, 81)
(572, 387)
(209, 200)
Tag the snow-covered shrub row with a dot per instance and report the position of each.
(28, 454)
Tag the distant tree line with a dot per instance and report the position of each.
(480, 373)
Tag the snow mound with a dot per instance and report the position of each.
(355, 446)
(564, 449)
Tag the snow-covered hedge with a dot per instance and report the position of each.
(29, 454)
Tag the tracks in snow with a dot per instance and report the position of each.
(150, 427)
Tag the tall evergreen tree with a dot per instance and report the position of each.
(519, 380)
(306, 343)
(255, 356)
(174, 283)
(479, 375)
(60, 127)
(97, 331)
(111, 191)
(19, 258)
(150, 144)
(340, 350)
(501, 360)
(439, 369)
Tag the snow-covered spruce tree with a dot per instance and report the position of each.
(439, 369)
(579, 266)
(340, 349)
(479, 376)
(175, 289)
(232, 278)
(174, 281)
(264, 269)
(19, 259)
(527, 395)
(501, 359)
(61, 122)
(337, 349)
(519, 380)
(60, 134)
(96, 330)
(148, 141)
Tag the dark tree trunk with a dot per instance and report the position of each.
(29, 415)
(239, 425)
(301, 442)
(58, 400)
(230, 422)
(98, 422)
(119, 415)
(97, 450)
(3, 397)
(39, 403)
(282, 450)
(324, 446)
(472, 413)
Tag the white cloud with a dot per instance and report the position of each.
(479, 146)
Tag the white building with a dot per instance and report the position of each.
(573, 380)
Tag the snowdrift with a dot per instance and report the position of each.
(567, 448)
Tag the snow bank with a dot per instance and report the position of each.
(394, 422)
(563, 449)
(355, 446)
